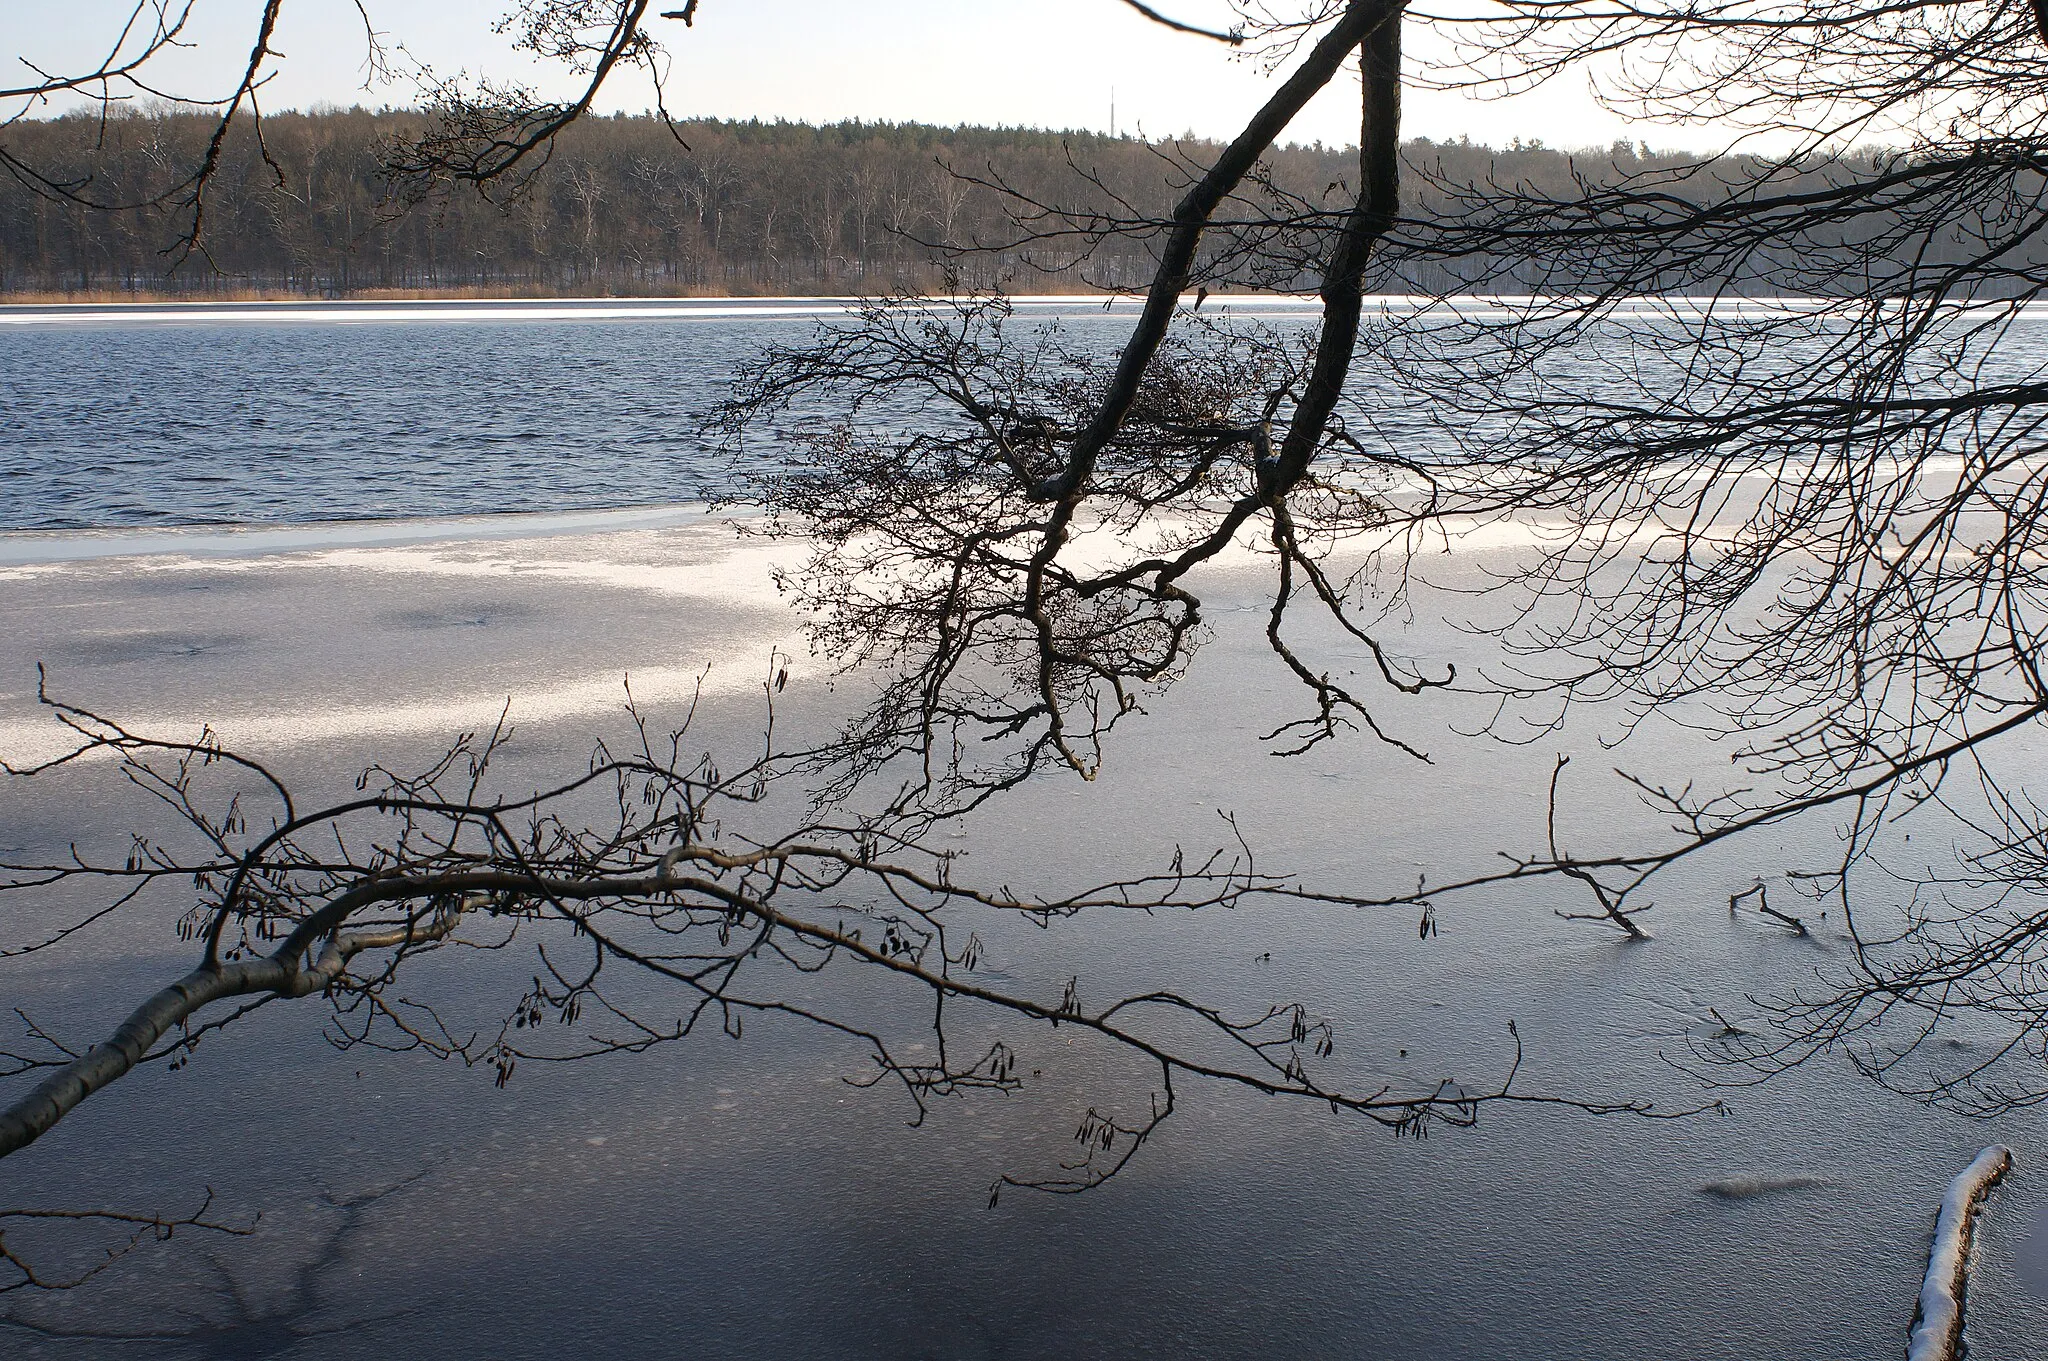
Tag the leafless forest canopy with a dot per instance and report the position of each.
(733, 208)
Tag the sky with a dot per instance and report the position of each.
(1037, 63)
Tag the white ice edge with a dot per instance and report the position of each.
(121, 314)
(563, 309)
(684, 552)
(1478, 307)
(32, 548)
(39, 547)
(1938, 1323)
(708, 563)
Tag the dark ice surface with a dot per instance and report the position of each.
(736, 1198)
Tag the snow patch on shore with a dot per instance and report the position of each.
(1938, 1323)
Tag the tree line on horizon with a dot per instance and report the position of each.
(629, 205)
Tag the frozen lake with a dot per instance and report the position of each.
(735, 1197)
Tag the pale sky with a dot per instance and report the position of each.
(1041, 63)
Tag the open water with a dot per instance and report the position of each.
(294, 413)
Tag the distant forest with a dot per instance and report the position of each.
(626, 208)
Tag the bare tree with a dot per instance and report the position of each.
(22, 1270)
(637, 866)
(731, 885)
(1808, 524)
(487, 136)
(238, 1325)
(1812, 524)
